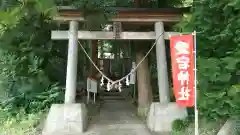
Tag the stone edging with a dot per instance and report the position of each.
(231, 127)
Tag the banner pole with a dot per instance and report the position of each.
(195, 83)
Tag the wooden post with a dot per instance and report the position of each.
(71, 79)
(163, 84)
(94, 53)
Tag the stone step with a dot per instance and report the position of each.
(111, 94)
(112, 97)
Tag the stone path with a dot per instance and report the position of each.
(117, 118)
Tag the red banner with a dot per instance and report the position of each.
(182, 57)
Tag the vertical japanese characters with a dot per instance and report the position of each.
(182, 58)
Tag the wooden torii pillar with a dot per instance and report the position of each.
(94, 53)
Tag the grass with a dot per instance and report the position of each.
(22, 124)
(205, 128)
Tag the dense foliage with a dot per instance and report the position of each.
(26, 50)
(218, 56)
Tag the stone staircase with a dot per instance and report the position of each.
(116, 117)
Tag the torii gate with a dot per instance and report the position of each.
(155, 17)
(158, 16)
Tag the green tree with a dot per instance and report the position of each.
(25, 50)
(218, 56)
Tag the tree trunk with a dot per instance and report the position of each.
(144, 85)
(143, 74)
(162, 3)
